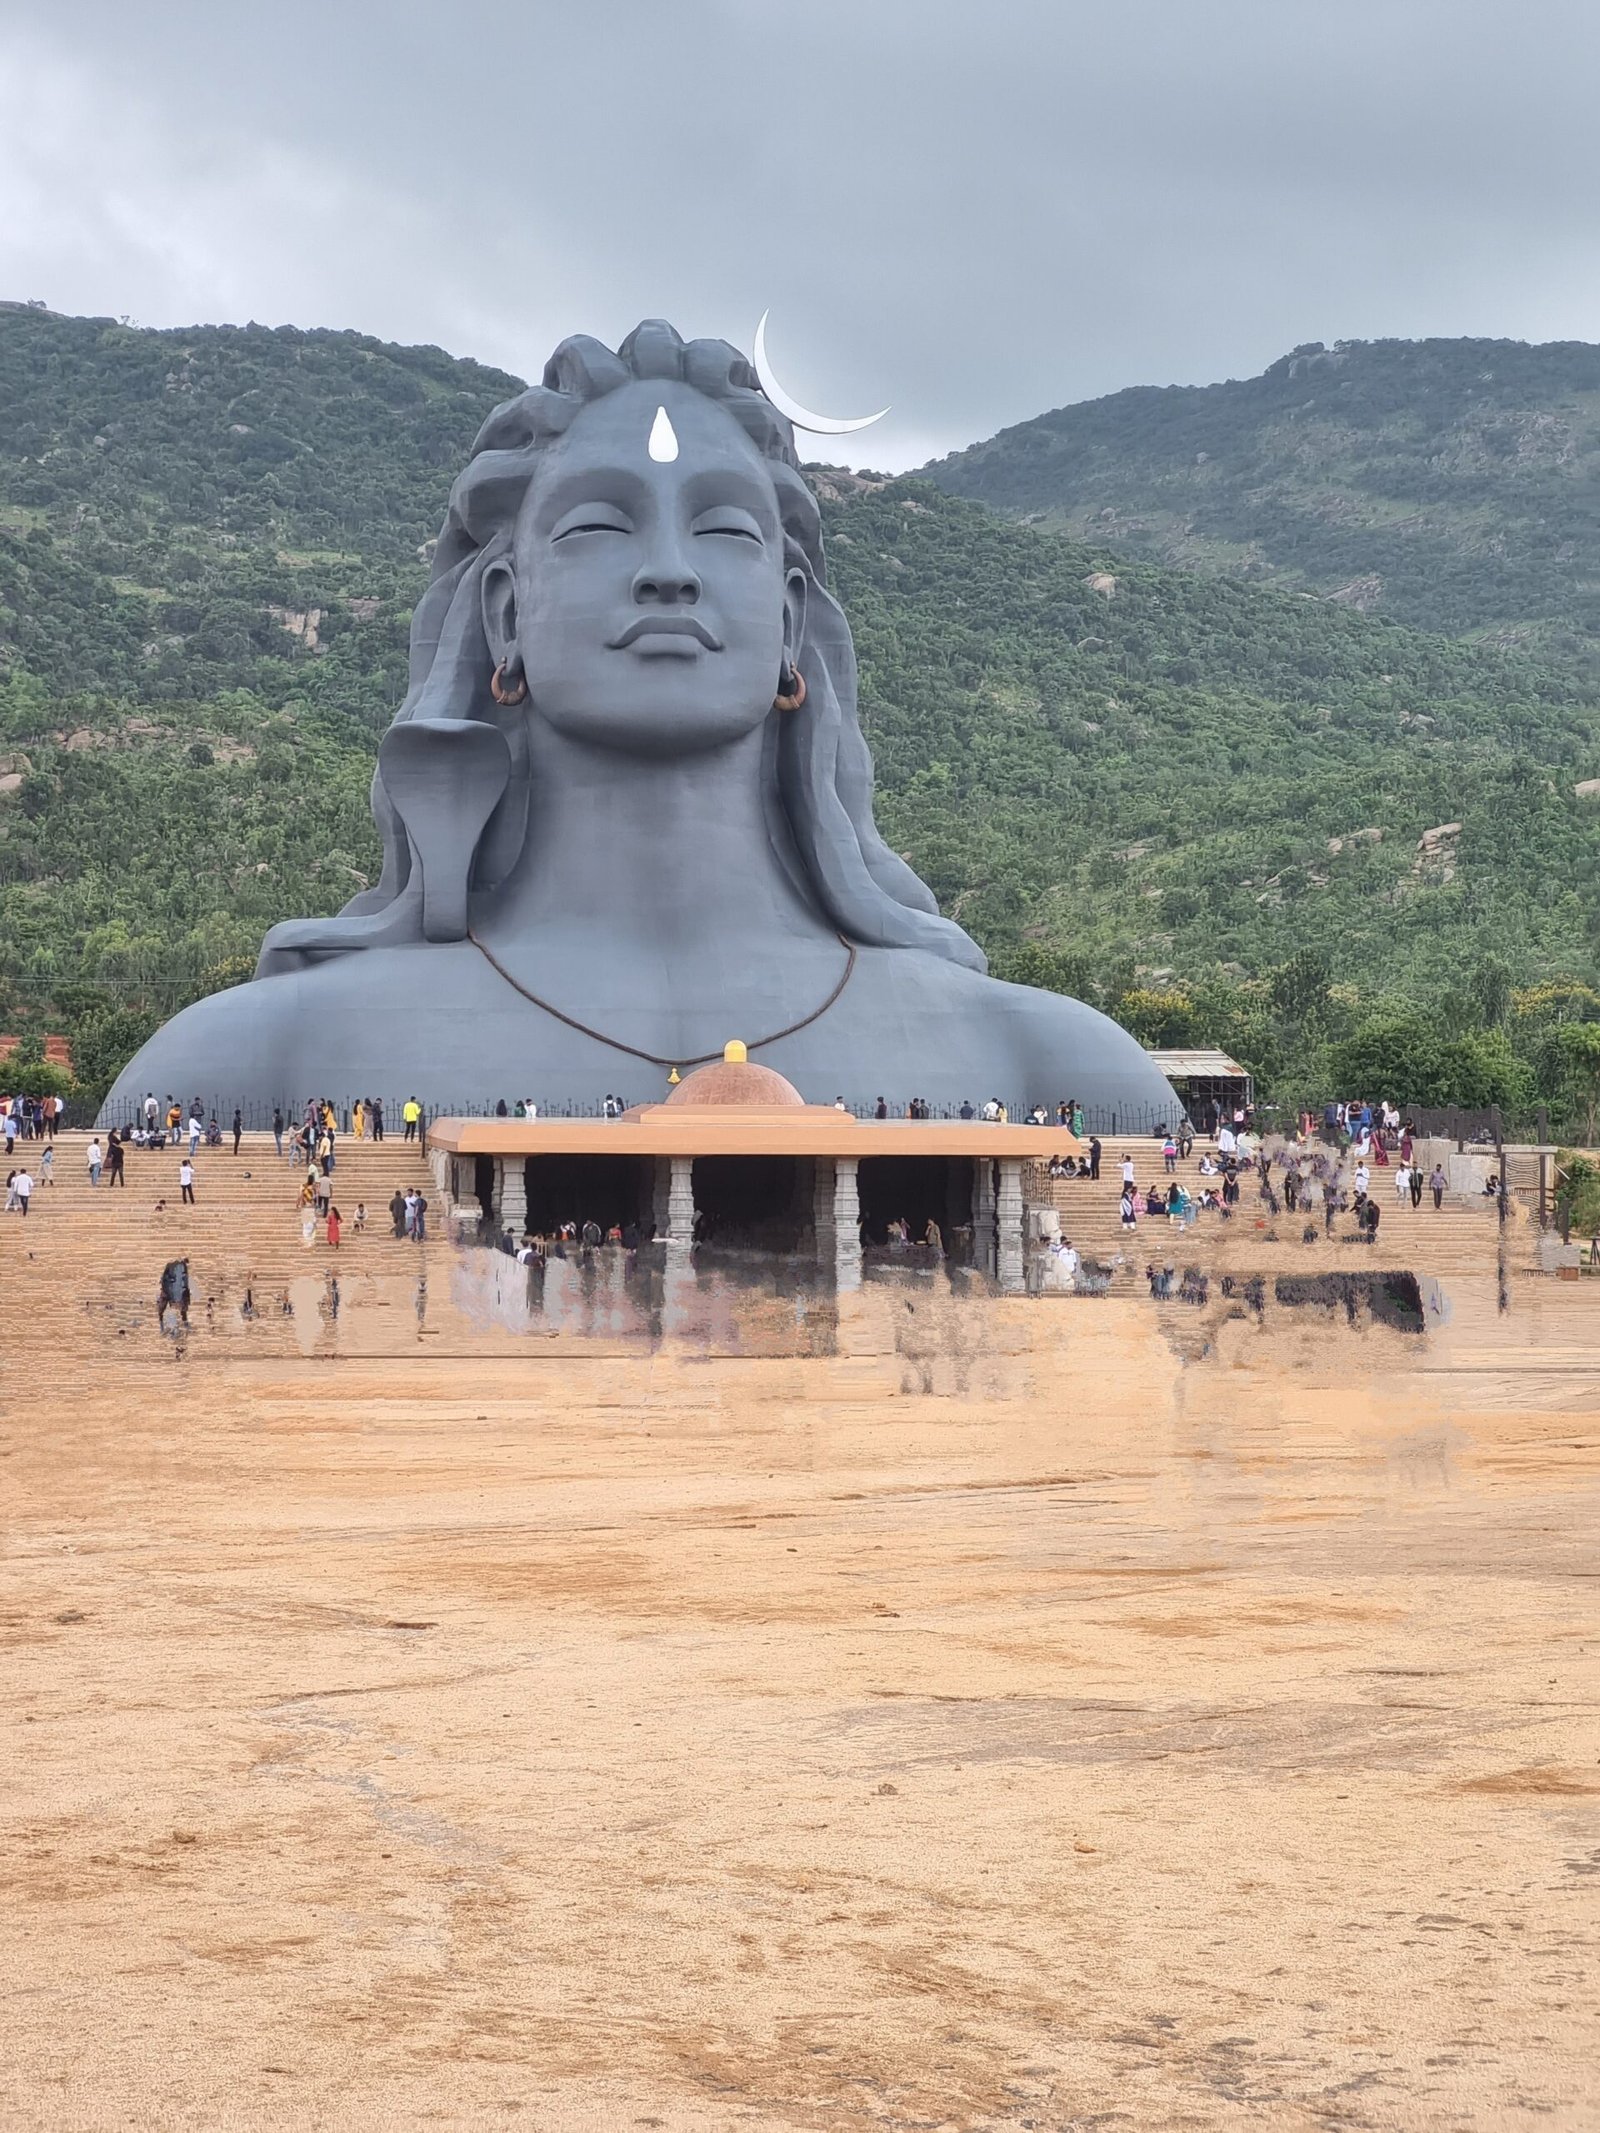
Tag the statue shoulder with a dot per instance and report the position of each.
(215, 1046)
(1073, 1049)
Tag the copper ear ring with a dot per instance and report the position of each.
(791, 689)
(503, 695)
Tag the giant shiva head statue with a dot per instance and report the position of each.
(632, 561)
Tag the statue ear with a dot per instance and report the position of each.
(794, 615)
(500, 609)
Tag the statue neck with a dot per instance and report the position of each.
(663, 855)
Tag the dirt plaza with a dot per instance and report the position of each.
(1027, 1714)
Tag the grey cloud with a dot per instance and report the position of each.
(975, 212)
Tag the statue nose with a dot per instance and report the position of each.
(667, 581)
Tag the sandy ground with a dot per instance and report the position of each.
(702, 1744)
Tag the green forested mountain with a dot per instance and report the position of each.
(1225, 812)
(1450, 484)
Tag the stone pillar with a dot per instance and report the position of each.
(680, 1200)
(822, 1189)
(1009, 1259)
(660, 1195)
(462, 1196)
(846, 1224)
(511, 1193)
(983, 1215)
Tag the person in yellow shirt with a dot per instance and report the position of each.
(412, 1114)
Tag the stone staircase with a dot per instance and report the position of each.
(102, 1249)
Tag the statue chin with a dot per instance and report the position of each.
(663, 717)
(639, 837)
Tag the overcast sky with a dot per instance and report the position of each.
(973, 209)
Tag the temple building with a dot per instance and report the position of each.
(736, 1156)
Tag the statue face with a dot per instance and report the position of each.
(651, 609)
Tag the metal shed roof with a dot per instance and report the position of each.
(1180, 1066)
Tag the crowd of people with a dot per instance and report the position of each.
(1310, 1174)
(30, 1118)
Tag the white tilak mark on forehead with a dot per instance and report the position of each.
(663, 437)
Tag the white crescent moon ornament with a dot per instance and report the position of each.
(802, 417)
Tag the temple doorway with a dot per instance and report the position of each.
(756, 1201)
(918, 1188)
(608, 1189)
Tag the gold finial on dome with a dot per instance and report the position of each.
(734, 1052)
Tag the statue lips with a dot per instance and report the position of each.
(680, 633)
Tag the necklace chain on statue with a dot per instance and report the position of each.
(635, 1051)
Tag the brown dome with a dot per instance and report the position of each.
(734, 1079)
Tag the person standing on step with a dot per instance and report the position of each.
(95, 1156)
(412, 1114)
(397, 1212)
(238, 1128)
(334, 1225)
(1437, 1185)
(186, 1179)
(277, 1129)
(375, 1116)
(116, 1156)
(47, 1164)
(22, 1185)
(1094, 1156)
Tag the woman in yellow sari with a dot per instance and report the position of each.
(358, 1119)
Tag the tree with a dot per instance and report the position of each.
(1578, 1191)
(1299, 987)
(1157, 1015)
(1395, 1055)
(29, 1071)
(1579, 1050)
(1490, 991)
(1480, 1070)
(1052, 969)
(102, 1045)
